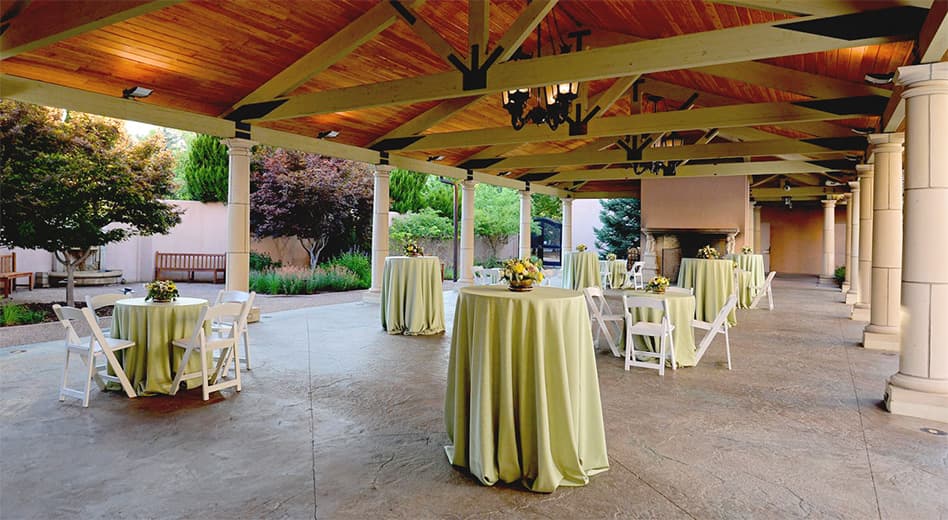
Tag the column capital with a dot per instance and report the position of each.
(911, 74)
(864, 170)
(854, 186)
(893, 138)
(238, 146)
(468, 184)
(828, 203)
(382, 170)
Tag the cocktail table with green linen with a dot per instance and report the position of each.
(752, 275)
(617, 273)
(412, 301)
(681, 310)
(152, 362)
(713, 282)
(522, 399)
(580, 270)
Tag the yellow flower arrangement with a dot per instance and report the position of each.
(709, 253)
(747, 250)
(581, 247)
(521, 273)
(657, 284)
(611, 256)
(161, 291)
(413, 249)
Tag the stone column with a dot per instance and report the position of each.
(861, 307)
(526, 218)
(849, 242)
(749, 235)
(380, 204)
(853, 295)
(883, 329)
(566, 242)
(466, 276)
(829, 242)
(237, 277)
(920, 388)
(758, 242)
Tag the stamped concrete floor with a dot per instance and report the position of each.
(339, 420)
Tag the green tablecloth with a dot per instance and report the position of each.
(617, 273)
(522, 397)
(713, 282)
(681, 309)
(580, 270)
(153, 326)
(412, 301)
(752, 275)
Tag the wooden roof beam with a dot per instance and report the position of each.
(27, 33)
(822, 7)
(683, 51)
(697, 170)
(424, 30)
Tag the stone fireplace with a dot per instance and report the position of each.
(665, 247)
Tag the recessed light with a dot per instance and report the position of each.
(880, 79)
(328, 133)
(136, 92)
(435, 158)
(866, 130)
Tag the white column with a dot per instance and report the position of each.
(758, 242)
(237, 277)
(566, 242)
(920, 388)
(380, 205)
(466, 276)
(749, 235)
(829, 242)
(864, 293)
(883, 329)
(526, 218)
(853, 295)
(849, 242)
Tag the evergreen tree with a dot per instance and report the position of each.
(407, 191)
(205, 169)
(621, 226)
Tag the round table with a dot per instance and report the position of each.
(617, 273)
(412, 301)
(522, 399)
(150, 364)
(753, 265)
(681, 310)
(581, 270)
(713, 282)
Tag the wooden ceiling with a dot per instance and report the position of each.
(781, 81)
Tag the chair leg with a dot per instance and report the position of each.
(629, 349)
(62, 396)
(661, 358)
(204, 374)
(727, 346)
(237, 364)
(770, 299)
(90, 358)
(179, 373)
(246, 335)
(671, 341)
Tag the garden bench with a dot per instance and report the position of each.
(191, 263)
(9, 274)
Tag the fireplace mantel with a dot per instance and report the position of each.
(669, 237)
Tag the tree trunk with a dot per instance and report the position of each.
(67, 260)
(315, 249)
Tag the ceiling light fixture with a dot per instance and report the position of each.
(879, 79)
(328, 133)
(136, 92)
(435, 158)
(866, 130)
(633, 149)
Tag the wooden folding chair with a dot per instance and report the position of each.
(601, 315)
(718, 326)
(764, 289)
(103, 300)
(88, 350)
(662, 330)
(205, 345)
(246, 299)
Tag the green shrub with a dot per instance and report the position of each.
(297, 280)
(13, 314)
(262, 262)
(359, 264)
(424, 224)
(205, 169)
(840, 275)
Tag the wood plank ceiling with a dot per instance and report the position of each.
(382, 75)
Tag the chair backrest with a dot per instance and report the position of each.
(637, 267)
(680, 290)
(603, 266)
(85, 315)
(224, 296)
(8, 263)
(597, 302)
(631, 301)
(715, 327)
(103, 300)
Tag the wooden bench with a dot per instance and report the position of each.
(9, 274)
(191, 263)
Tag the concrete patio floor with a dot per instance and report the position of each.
(339, 420)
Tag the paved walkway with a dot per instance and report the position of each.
(340, 420)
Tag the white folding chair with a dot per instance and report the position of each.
(103, 300)
(718, 326)
(241, 297)
(661, 330)
(635, 276)
(204, 344)
(548, 275)
(680, 290)
(764, 289)
(601, 315)
(88, 350)
(481, 276)
(604, 274)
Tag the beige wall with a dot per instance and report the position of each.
(796, 238)
(709, 202)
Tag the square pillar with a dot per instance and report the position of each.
(526, 219)
(864, 285)
(566, 241)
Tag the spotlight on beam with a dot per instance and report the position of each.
(866, 130)
(435, 158)
(880, 79)
(136, 92)
(328, 133)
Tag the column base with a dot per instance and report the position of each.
(879, 340)
(463, 283)
(828, 281)
(372, 296)
(851, 298)
(844, 288)
(860, 312)
(903, 401)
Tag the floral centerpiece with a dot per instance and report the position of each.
(161, 291)
(521, 273)
(747, 250)
(581, 247)
(413, 249)
(657, 284)
(611, 256)
(708, 253)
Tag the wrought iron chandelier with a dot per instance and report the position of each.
(635, 145)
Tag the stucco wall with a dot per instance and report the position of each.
(585, 219)
(796, 238)
(707, 202)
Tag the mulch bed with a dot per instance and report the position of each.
(47, 310)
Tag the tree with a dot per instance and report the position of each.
(71, 184)
(621, 226)
(440, 196)
(311, 197)
(407, 190)
(205, 169)
(546, 206)
(496, 215)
